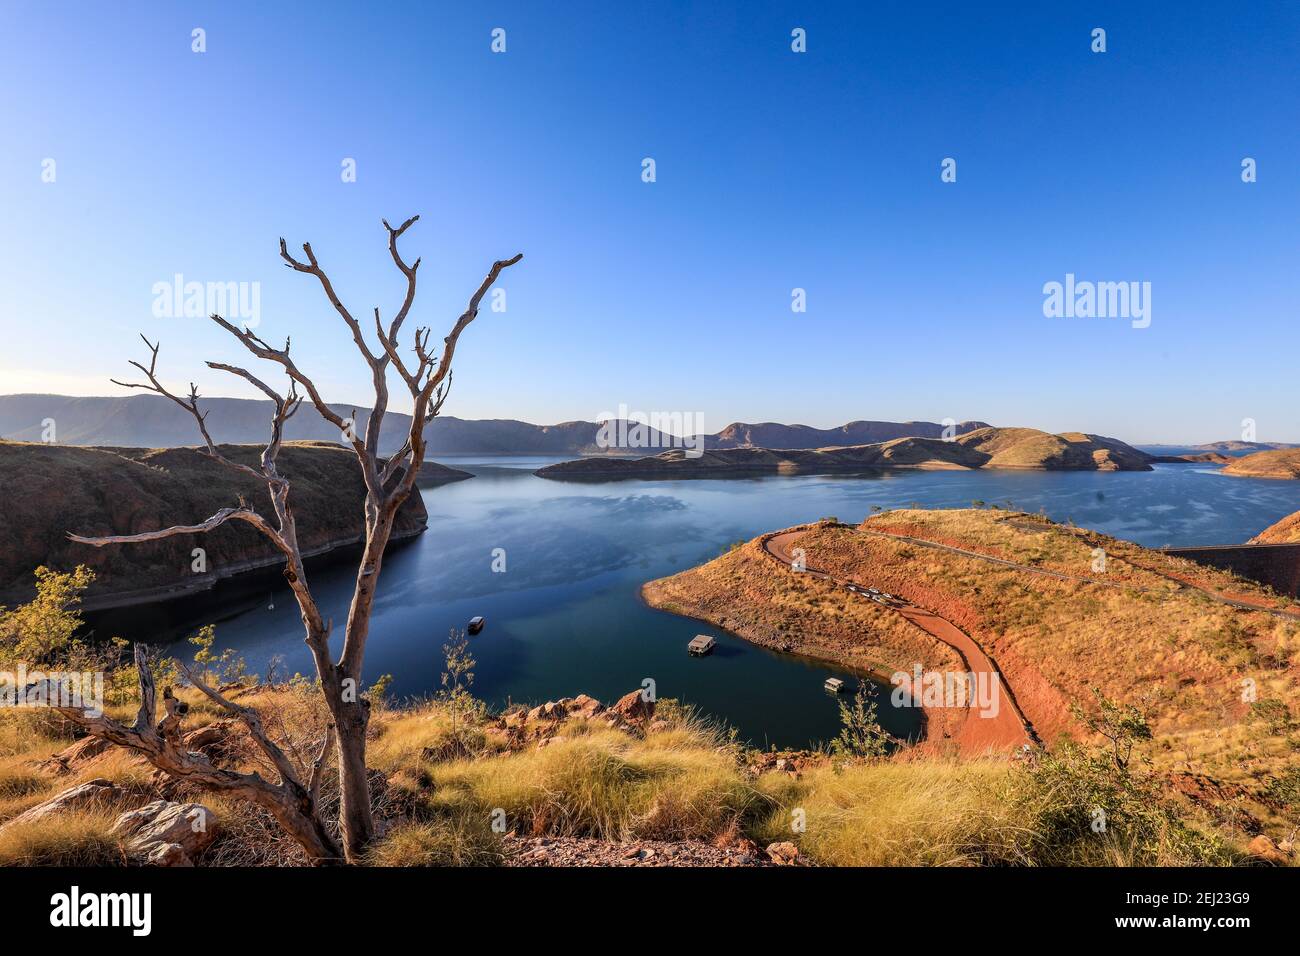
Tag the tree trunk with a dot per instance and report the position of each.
(355, 819)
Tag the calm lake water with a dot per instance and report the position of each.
(565, 617)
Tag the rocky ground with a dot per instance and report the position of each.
(574, 851)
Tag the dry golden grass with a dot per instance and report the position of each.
(595, 781)
(71, 839)
(1285, 531)
(915, 813)
(458, 840)
(1184, 654)
(684, 782)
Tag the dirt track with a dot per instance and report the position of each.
(1062, 576)
(1003, 730)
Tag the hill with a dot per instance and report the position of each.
(1151, 629)
(1283, 463)
(52, 490)
(1286, 531)
(1014, 448)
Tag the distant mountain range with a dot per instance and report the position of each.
(150, 421)
(1233, 447)
(1237, 445)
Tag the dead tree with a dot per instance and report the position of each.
(426, 373)
(294, 804)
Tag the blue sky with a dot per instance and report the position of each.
(775, 170)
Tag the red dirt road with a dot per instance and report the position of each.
(1002, 730)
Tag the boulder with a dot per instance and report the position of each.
(552, 710)
(1266, 851)
(784, 853)
(633, 707)
(585, 707)
(97, 793)
(163, 833)
(75, 757)
(213, 736)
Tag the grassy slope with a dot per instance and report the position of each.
(1285, 531)
(682, 781)
(51, 490)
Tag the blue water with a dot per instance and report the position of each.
(565, 618)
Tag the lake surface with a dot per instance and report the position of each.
(565, 617)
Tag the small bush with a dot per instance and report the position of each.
(1083, 809)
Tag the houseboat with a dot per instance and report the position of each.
(700, 645)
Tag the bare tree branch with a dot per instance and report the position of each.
(318, 768)
(312, 267)
(252, 720)
(190, 404)
(216, 521)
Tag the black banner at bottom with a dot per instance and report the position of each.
(340, 906)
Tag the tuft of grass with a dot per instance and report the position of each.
(70, 839)
(911, 813)
(594, 781)
(464, 839)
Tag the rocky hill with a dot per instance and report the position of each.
(1013, 448)
(51, 490)
(1286, 531)
(1283, 463)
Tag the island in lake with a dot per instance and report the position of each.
(988, 447)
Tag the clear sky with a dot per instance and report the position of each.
(775, 170)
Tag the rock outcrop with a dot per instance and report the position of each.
(163, 833)
(537, 726)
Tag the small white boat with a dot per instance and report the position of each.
(476, 624)
(834, 685)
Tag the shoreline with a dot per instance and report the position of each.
(205, 583)
(936, 723)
